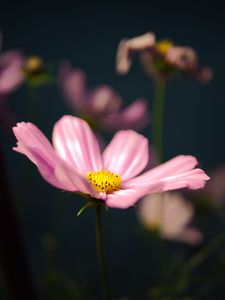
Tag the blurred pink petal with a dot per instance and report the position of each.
(11, 77)
(135, 116)
(171, 214)
(204, 75)
(191, 236)
(183, 58)
(128, 46)
(11, 72)
(216, 186)
(111, 176)
(103, 101)
(160, 59)
(102, 105)
(73, 84)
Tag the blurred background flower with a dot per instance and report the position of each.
(171, 215)
(11, 71)
(11, 77)
(100, 107)
(160, 59)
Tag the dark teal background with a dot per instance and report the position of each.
(87, 34)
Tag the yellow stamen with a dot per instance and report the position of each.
(163, 46)
(104, 181)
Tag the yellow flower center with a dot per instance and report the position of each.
(104, 181)
(163, 46)
(154, 226)
(33, 64)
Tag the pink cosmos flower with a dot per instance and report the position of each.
(74, 163)
(171, 214)
(102, 105)
(160, 59)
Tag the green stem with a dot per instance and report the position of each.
(158, 112)
(203, 254)
(100, 252)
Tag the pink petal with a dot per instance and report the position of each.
(33, 144)
(204, 75)
(14, 57)
(170, 211)
(134, 116)
(127, 154)
(75, 142)
(175, 174)
(151, 210)
(216, 187)
(73, 85)
(103, 101)
(11, 73)
(183, 58)
(123, 57)
(122, 198)
(190, 235)
(176, 165)
(126, 47)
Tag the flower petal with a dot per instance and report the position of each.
(134, 116)
(11, 75)
(190, 235)
(122, 198)
(126, 47)
(33, 144)
(127, 154)
(73, 85)
(204, 75)
(104, 101)
(75, 142)
(123, 57)
(170, 211)
(183, 58)
(175, 174)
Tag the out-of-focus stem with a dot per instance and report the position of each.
(13, 260)
(157, 118)
(100, 252)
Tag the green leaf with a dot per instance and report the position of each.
(82, 209)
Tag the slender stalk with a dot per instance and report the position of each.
(203, 254)
(158, 113)
(100, 252)
(13, 260)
